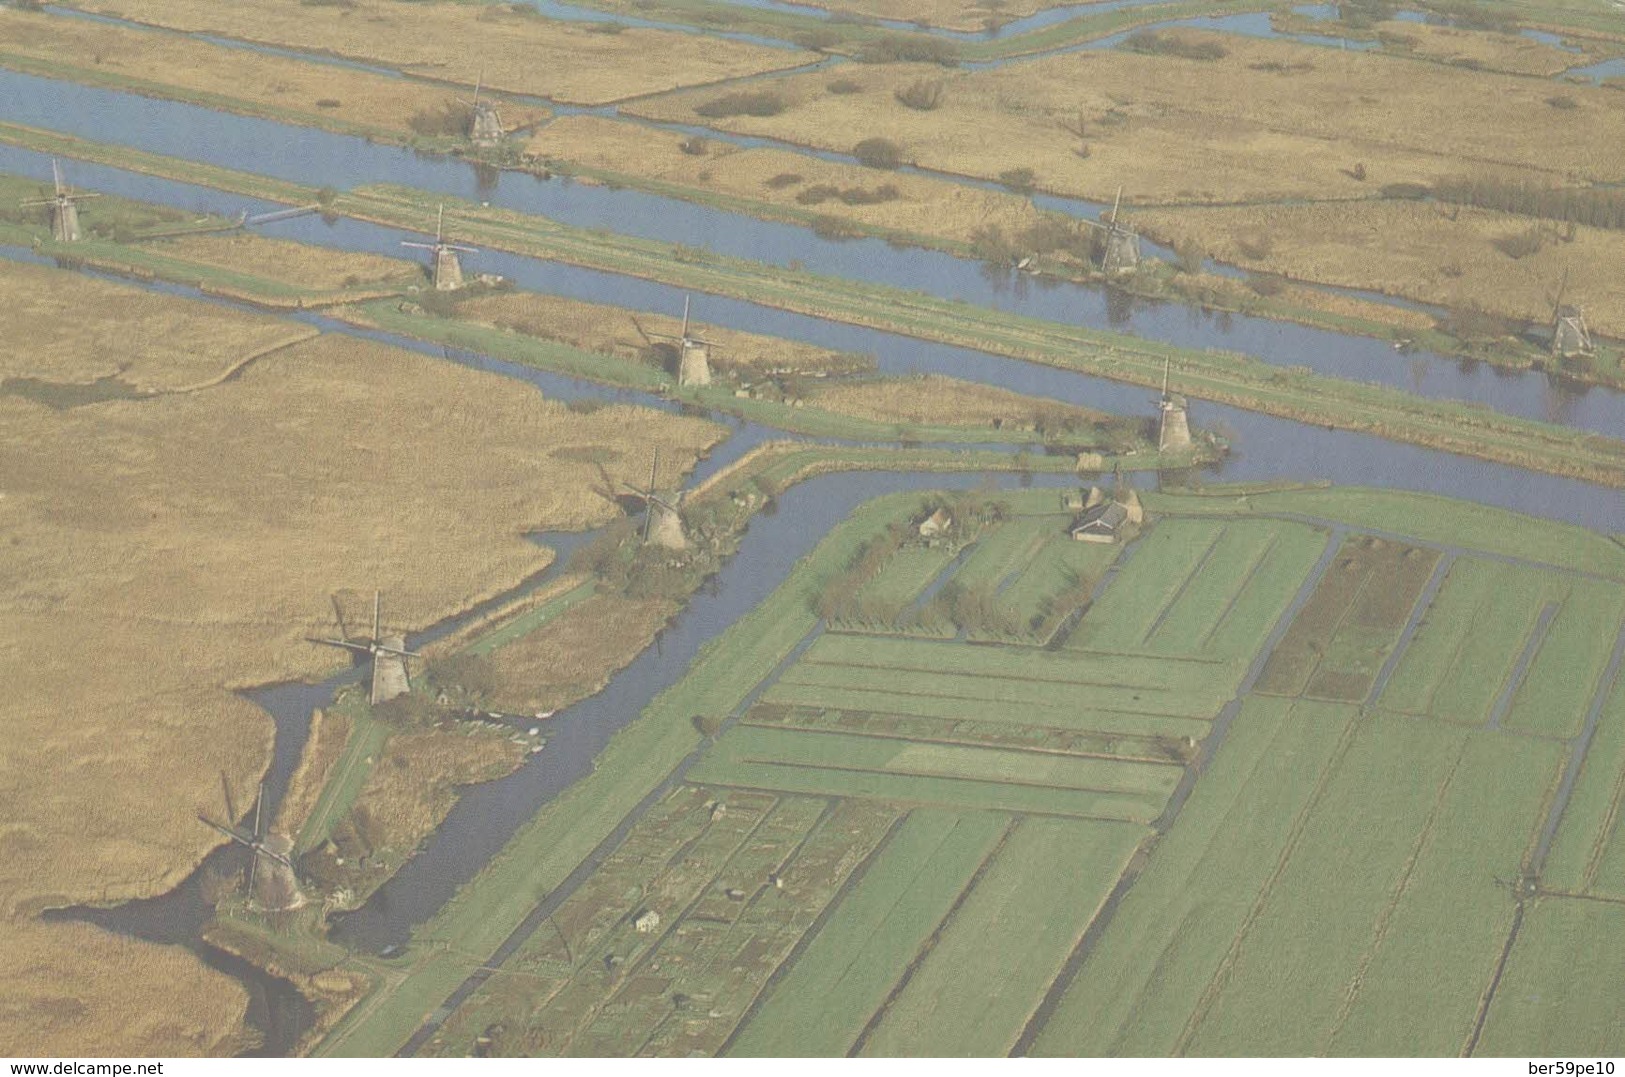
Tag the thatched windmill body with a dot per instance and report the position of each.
(388, 653)
(446, 268)
(1122, 252)
(272, 883)
(1173, 424)
(662, 522)
(1570, 336)
(64, 207)
(485, 124)
(693, 353)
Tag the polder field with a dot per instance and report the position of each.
(1351, 755)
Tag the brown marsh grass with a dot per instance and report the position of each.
(627, 334)
(1267, 120)
(162, 552)
(1417, 250)
(317, 91)
(921, 206)
(62, 327)
(519, 51)
(932, 399)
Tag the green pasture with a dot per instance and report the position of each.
(1561, 682)
(1005, 549)
(852, 964)
(992, 963)
(1454, 668)
(837, 751)
(1079, 714)
(1153, 965)
(1060, 668)
(1228, 609)
(1559, 996)
(1434, 947)
(1172, 700)
(1151, 578)
(902, 578)
(1060, 565)
(1587, 836)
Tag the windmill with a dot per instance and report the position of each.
(446, 269)
(1173, 428)
(278, 887)
(693, 353)
(662, 523)
(1570, 337)
(388, 653)
(64, 207)
(485, 125)
(1122, 253)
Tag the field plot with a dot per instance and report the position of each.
(879, 926)
(1139, 985)
(1228, 607)
(1561, 989)
(982, 980)
(1588, 837)
(953, 775)
(1339, 640)
(592, 982)
(1150, 580)
(1541, 666)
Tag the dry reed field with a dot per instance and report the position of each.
(298, 265)
(934, 399)
(574, 654)
(1512, 53)
(948, 14)
(74, 989)
(1272, 120)
(165, 551)
(626, 334)
(323, 92)
(1418, 250)
(521, 51)
(150, 341)
(795, 182)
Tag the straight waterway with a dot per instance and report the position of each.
(316, 158)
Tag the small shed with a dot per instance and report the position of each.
(1103, 523)
(935, 524)
(648, 920)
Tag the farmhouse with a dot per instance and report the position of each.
(647, 921)
(1103, 523)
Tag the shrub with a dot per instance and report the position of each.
(693, 145)
(1256, 246)
(1563, 101)
(1413, 191)
(782, 180)
(327, 102)
(908, 48)
(611, 28)
(1020, 180)
(1266, 284)
(1163, 44)
(820, 39)
(742, 103)
(922, 95)
(708, 724)
(878, 153)
(449, 119)
(844, 86)
(1522, 244)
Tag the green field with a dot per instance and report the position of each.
(877, 929)
(1562, 985)
(1587, 836)
(918, 835)
(986, 974)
